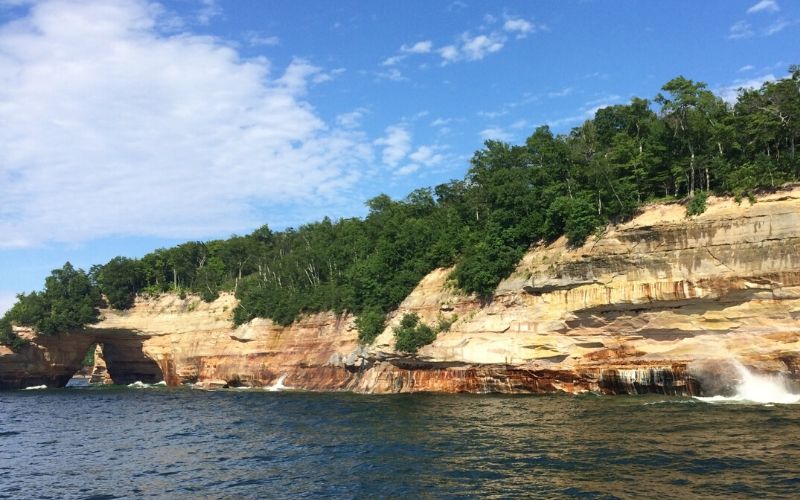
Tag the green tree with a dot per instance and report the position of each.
(68, 302)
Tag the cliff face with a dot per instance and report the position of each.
(659, 304)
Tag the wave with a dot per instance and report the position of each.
(753, 388)
(35, 388)
(141, 385)
(278, 385)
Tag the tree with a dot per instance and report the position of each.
(120, 280)
(68, 302)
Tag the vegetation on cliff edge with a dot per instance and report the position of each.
(684, 144)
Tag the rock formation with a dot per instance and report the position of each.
(99, 371)
(658, 304)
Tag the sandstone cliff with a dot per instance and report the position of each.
(658, 304)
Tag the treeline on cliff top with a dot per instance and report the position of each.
(513, 196)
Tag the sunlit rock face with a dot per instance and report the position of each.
(637, 309)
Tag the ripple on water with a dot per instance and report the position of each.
(172, 442)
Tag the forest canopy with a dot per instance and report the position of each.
(685, 143)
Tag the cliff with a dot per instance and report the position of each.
(661, 303)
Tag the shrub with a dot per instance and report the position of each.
(370, 324)
(8, 337)
(412, 334)
(697, 204)
(443, 324)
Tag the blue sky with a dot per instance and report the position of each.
(130, 125)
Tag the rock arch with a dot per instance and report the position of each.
(52, 361)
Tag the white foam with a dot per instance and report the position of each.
(35, 388)
(141, 385)
(761, 389)
(278, 385)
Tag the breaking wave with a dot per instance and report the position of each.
(278, 385)
(753, 388)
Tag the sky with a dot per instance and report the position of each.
(129, 125)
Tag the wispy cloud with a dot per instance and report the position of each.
(472, 48)
(422, 47)
(427, 155)
(208, 10)
(740, 29)
(255, 39)
(468, 46)
(729, 93)
(181, 137)
(561, 93)
(518, 26)
(495, 133)
(507, 107)
(778, 26)
(396, 144)
(457, 5)
(764, 6)
(392, 74)
(351, 119)
(587, 111)
(746, 68)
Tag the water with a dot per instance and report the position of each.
(178, 443)
(754, 388)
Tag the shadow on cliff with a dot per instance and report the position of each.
(126, 360)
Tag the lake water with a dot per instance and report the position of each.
(175, 443)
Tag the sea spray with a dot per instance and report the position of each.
(278, 385)
(754, 388)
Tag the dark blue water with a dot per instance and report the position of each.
(177, 443)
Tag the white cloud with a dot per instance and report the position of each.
(391, 61)
(476, 48)
(396, 144)
(351, 119)
(406, 170)
(561, 93)
(472, 48)
(764, 6)
(449, 53)
(495, 133)
(519, 26)
(457, 5)
(258, 40)
(493, 114)
(427, 156)
(422, 47)
(740, 29)
(587, 111)
(111, 127)
(778, 26)
(208, 10)
(7, 299)
(746, 68)
(729, 93)
(468, 47)
(441, 122)
(392, 74)
(519, 124)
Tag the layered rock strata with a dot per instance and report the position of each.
(659, 304)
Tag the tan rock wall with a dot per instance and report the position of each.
(630, 311)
